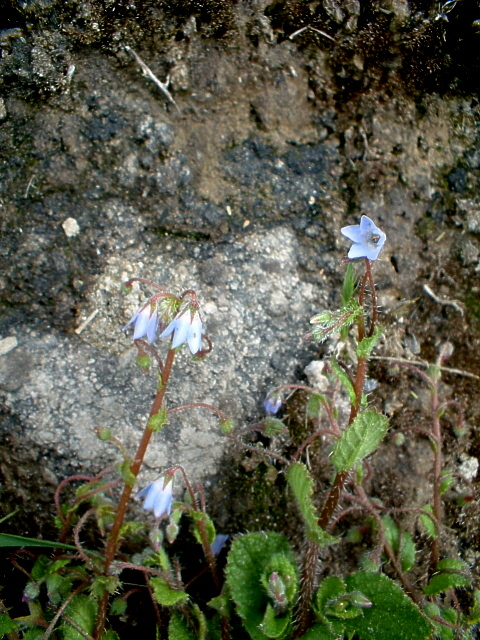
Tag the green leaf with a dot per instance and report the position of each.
(285, 573)
(441, 631)
(198, 517)
(328, 322)
(321, 632)
(81, 611)
(365, 346)
(392, 614)
(10, 540)
(159, 420)
(110, 635)
(345, 381)
(249, 558)
(178, 628)
(428, 522)
(302, 487)
(227, 426)
(451, 574)
(359, 439)
(330, 589)
(220, 604)
(446, 483)
(407, 551)
(273, 426)
(315, 405)
(166, 595)
(274, 627)
(126, 471)
(349, 284)
(118, 606)
(7, 625)
(401, 542)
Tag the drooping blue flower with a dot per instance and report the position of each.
(186, 328)
(367, 238)
(145, 323)
(158, 496)
(272, 403)
(219, 543)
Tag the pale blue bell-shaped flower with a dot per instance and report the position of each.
(145, 323)
(186, 328)
(367, 238)
(158, 496)
(272, 403)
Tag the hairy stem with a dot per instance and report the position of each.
(310, 555)
(113, 539)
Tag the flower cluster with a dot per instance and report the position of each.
(185, 328)
(367, 238)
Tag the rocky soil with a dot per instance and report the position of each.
(266, 128)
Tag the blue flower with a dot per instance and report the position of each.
(367, 238)
(146, 323)
(186, 328)
(219, 543)
(158, 496)
(272, 403)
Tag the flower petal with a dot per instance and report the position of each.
(163, 501)
(368, 226)
(194, 337)
(352, 232)
(357, 250)
(171, 327)
(141, 323)
(182, 329)
(152, 327)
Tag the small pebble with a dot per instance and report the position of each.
(8, 344)
(71, 228)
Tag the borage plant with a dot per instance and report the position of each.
(267, 591)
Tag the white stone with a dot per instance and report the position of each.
(8, 344)
(71, 228)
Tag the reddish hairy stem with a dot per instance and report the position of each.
(113, 539)
(310, 555)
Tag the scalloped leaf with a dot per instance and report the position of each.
(248, 560)
(392, 614)
(359, 440)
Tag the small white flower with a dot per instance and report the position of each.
(367, 238)
(158, 496)
(146, 323)
(186, 328)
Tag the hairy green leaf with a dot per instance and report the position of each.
(165, 594)
(7, 625)
(178, 628)
(428, 522)
(359, 439)
(273, 626)
(315, 405)
(159, 420)
(249, 558)
(79, 617)
(273, 426)
(302, 487)
(345, 381)
(365, 346)
(450, 573)
(392, 614)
